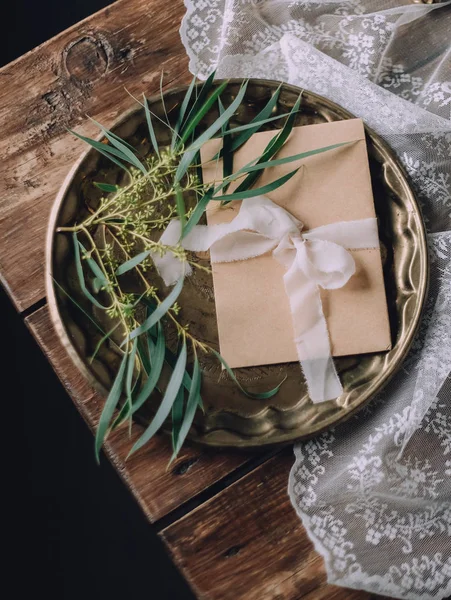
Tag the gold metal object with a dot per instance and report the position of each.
(232, 419)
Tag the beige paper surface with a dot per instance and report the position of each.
(254, 319)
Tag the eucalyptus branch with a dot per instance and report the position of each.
(160, 187)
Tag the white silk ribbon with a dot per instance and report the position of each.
(318, 257)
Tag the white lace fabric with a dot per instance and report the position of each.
(374, 493)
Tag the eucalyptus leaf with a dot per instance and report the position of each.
(93, 265)
(130, 370)
(191, 406)
(129, 155)
(81, 276)
(166, 404)
(180, 206)
(191, 151)
(260, 191)
(203, 110)
(288, 159)
(152, 135)
(127, 151)
(182, 111)
(200, 97)
(261, 119)
(170, 357)
(177, 416)
(97, 284)
(272, 148)
(104, 149)
(102, 340)
(156, 365)
(106, 187)
(259, 396)
(100, 126)
(130, 264)
(143, 355)
(252, 124)
(227, 154)
(198, 211)
(80, 308)
(160, 311)
(109, 407)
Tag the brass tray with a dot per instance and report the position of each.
(231, 418)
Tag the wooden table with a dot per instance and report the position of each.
(225, 517)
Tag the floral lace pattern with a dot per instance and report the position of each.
(382, 480)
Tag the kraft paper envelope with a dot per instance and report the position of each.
(253, 312)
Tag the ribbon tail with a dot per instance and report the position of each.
(311, 336)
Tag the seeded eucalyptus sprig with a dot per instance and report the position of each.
(130, 215)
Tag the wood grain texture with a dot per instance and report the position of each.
(158, 491)
(248, 543)
(84, 70)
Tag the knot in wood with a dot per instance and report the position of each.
(87, 58)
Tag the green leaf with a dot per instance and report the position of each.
(191, 151)
(109, 407)
(272, 148)
(143, 355)
(81, 276)
(167, 402)
(116, 137)
(260, 191)
(156, 365)
(97, 284)
(152, 135)
(127, 149)
(180, 206)
(198, 211)
(281, 161)
(177, 416)
(106, 187)
(170, 357)
(102, 341)
(87, 315)
(200, 98)
(113, 135)
(162, 99)
(93, 265)
(249, 167)
(181, 115)
(203, 110)
(191, 406)
(132, 262)
(224, 118)
(104, 149)
(252, 124)
(125, 412)
(227, 153)
(130, 156)
(257, 122)
(261, 396)
(130, 370)
(160, 311)
(117, 142)
(122, 416)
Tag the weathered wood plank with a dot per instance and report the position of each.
(84, 70)
(159, 491)
(247, 542)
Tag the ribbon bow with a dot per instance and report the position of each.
(315, 258)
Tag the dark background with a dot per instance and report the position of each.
(76, 532)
